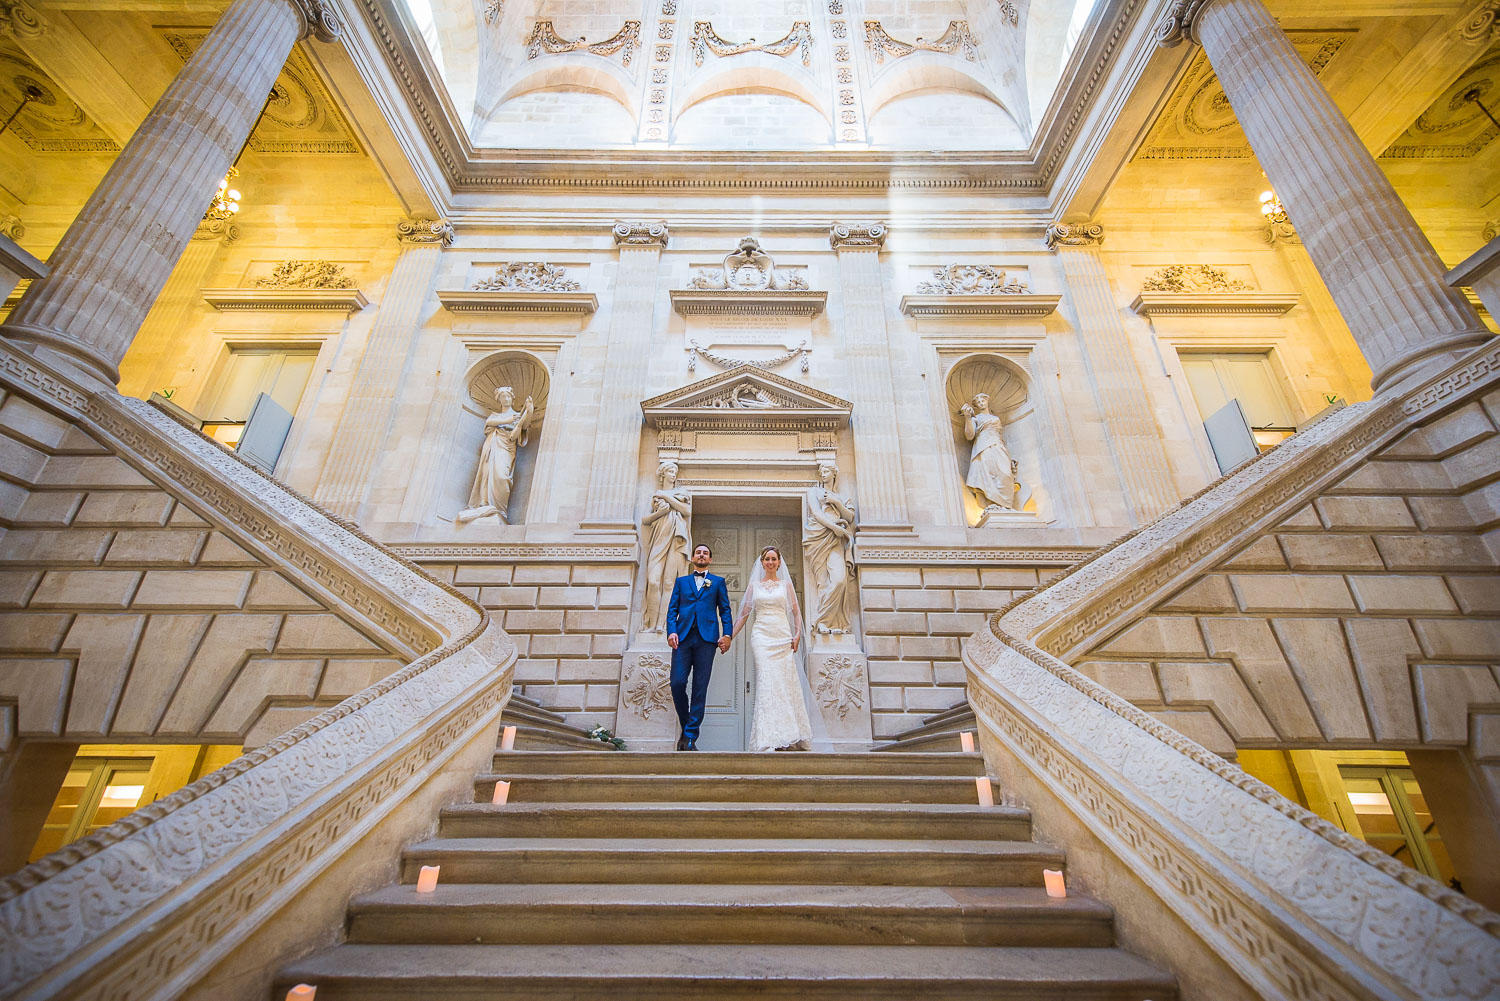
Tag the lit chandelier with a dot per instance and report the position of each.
(226, 201)
(1271, 207)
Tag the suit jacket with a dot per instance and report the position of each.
(692, 607)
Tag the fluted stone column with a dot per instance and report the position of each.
(617, 438)
(877, 449)
(345, 481)
(1375, 260)
(120, 251)
(1134, 439)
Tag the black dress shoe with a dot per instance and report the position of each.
(682, 744)
(692, 745)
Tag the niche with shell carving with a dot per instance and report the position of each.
(526, 376)
(986, 489)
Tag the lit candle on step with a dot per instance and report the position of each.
(986, 794)
(427, 878)
(302, 992)
(966, 740)
(1054, 880)
(508, 739)
(502, 793)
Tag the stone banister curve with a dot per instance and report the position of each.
(1295, 906)
(141, 908)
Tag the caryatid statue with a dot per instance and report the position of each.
(665, 528)
(992, 472)
(828, 552)
(504, 433)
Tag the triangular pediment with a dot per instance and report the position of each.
(744, 395)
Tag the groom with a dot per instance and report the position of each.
(699, 602)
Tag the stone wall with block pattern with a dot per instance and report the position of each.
(128, 612)
(1369, 617)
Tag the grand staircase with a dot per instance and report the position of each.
(641, 876)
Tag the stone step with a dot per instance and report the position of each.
(733, 860)
(961, 710)
(949, 724)
(885, 765)
(931, 743)
(936, 821)
(790, 972)
(529, 787)
(654, 914)
(539, 717)
(545, 739)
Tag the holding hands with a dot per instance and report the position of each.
(723, 644)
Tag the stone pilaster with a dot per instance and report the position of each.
(345, 481)
(617, 440)
(1134, 439)
(1375, 260)
(118, 254)
(159, 355)
(877, 449)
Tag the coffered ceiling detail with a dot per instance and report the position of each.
(1197, 122)
(1454, 127)
(51, 123)
(301, 116)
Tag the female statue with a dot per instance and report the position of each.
(665, 527)
(992, 474)
(827, 551)
(504, 432)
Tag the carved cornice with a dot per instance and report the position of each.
(320, 19)
(518, 301)
(420, 231)
(969, 556)
(689, 302)
(1214, 303)
(1074, 234)
(283, 300)
(1179, 24)
(857, 235)
(641, 234)
(434, 552)
(980, 304)
(778, 404)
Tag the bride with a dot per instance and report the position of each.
(780, 720)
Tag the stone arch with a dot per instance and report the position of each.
(601, 78)
(925, 71)
(752, 73)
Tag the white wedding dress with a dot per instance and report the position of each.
(780, 718)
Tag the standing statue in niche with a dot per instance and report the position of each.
(828, 552)
(504, 433)
(992, 472)
(665, 527)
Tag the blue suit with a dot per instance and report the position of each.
(694, 615)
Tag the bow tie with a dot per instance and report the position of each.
(700, 573)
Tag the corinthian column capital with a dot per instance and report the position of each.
(20, 19)
(640, 234)
(857, 235)
(420, 231)
(320, 17)
(1074, 234)
(1179, 23)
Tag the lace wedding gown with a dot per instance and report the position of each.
(780, 718)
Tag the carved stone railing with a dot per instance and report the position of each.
(262, 853)
(1240, 891)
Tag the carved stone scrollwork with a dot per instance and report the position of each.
(20, 20)
(705, 40)
(1192, 278)
(420, 231)
(494, 10)
(217, 229)
(648, 689)
(1009, 12)
(306, 274)
(957, 37)
(1279, 233)
(695, 351)
(640, 234)
(527, 276)
(321, 20)
(12, 227)
(1076, 234)
(1178, 23)
(749, 269)
(841, 685)
(856, 234)
(544, 38)
(964, 279)
(1483, 23)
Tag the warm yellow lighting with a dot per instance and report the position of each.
(226, 200)
(121, 796)
(1370, 802)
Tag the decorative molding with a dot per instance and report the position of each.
(970, 279)
(1003, 304)
(54, 122)
(749, 400)
(217, 229)
(11, 226)
(1179, 22)
(420, 231)
(982, 556)
(695, 351)
(21, 20)
(1009, 12)
(749, 269)
(704, 40)
(321, 19)
(544, 38)
(1451, 126)
(641, 234)
(857, 235)
(1282, 234)
(1192, 278)
(841, 684)
(1483, 24)
(494, 10)
(1075, 234)
(691, 302)
(306, 275)
(957, 37)
(647, 688)
(483, 301)
(527, 276)
(434, 552)
(1214, 303)
(281, 300)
